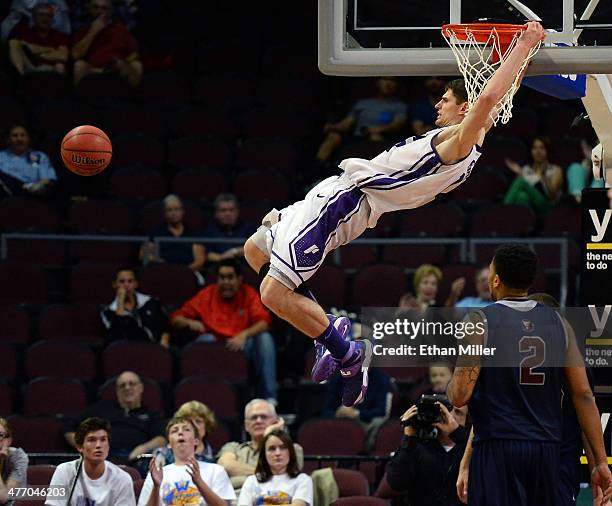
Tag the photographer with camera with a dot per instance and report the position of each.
(426, 464)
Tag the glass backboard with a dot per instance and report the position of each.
(402, 37)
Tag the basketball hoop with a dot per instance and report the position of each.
(480, 49)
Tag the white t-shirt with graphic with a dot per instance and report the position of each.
(113, 488)
(178, 488)
(281, 489)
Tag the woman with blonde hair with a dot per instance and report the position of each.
(205, 421)
(13, 464)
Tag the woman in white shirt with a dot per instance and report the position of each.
(187, 481)
(277, 479)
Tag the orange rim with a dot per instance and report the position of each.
(482, 31)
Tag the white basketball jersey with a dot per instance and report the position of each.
(407, 175)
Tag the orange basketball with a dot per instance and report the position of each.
(86, 150)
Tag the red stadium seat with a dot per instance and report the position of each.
(146, 359)
(152, 396)
(388, 438)
(219, 436)
(172, 284)
(35, 87)
(253, 212)
(378, 285)
(361, 149)
(549, 256)
(61, 116)
(127, 119)
(438, 220)
(411, 256)
(213, 360)
(280, 91)
(106, 88)
(124, 253)
(196, 152)
(524, 123)
(354, 256)
(138, 151)
(6, 396)
(562, 221)
(41, 252)
(350, 482)
(199, 121)
(322, 437)
(329, 286)
(153, 214)
(165, 88)
(497, 149)
(503, 221)
(21, 214)
(263, 154)
(482, 186)
(199, 184)
(40, 474)
(54, 396)
(60, 360)
(270, 186)
(14, 325)
(28, 284)
(138, 183)
(220, 91)
(138, 488)
(38, 434)
(275, 122)
(360, 501)
(92, 283)
(134, 474)
(101, 217)
(384, 490)
(217, 395)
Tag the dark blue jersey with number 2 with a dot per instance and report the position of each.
(522, 402)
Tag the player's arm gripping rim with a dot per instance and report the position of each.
(461, 386)
(588, 416)
(456, 143)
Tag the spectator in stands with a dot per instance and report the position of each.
(193, 255)
(423, 114)
(96, 480)
(39, 48)
(13, 464)
(539, 184)
(426, 280)
(227, 223)
(232, 311)
(21, 13)
(24, 171)
(376, 119)
(136, 429)
(277, 478)
(187, 480)
(204, 420)
(240, 459)
(440, 373)
(134, 315)
(580, 175)
(105, 45)
(372, 411)
(481, 281)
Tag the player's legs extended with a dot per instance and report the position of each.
(303, 313)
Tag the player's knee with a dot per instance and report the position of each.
(271, 295)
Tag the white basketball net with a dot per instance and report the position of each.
(478, 61)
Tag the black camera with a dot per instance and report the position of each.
(428, 413)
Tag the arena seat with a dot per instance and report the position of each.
(433, 220)
(144, 358)
(54, 396)
(201, 122)
(134, 474)
(388, 438)
(412, 256)
(562, 220)
(361, 149)
(549, 256)
(497, 148)
(41, 252)
(152, 396)
(285, 91)
(164, 87)
(125, 119)
(217, 395)
(22, 214)
(100, 217)
(36, 87)
(218, 437)
(279, 122)
(360, 501)
(287, 60)
(60, 360)
(137, 150)
(524, 123)
(354, 256)
(12, 113)
(6, 395)
(199, 184)
(38, 433)
(270, 186)
(124, 253)
(350, 482)
(91, 283)
(483, 186)
(138, 183)
(566, 150)
(501, 220)
(74, 323)
(138, 487)
(223, 91)
(253, 212)
(104, 89)
(27, 282)
(195, 152)
(172, 284)
(384, 490)
(152, 215)
(40, 474)
(322, 437)
(378, 285)
(213, 360)
(61, 116)
(263, 154)
(329, 286)
(14, 325)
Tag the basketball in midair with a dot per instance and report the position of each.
(86, 150)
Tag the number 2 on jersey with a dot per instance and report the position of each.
(536, 347)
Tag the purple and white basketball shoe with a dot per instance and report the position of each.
(354, 371)
(325, 365)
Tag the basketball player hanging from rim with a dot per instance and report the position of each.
(292, 243)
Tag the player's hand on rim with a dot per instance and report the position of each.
(533, 35)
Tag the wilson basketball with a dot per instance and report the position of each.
(86, 150)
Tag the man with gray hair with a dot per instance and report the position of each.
(227, 224)
(240, 459)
